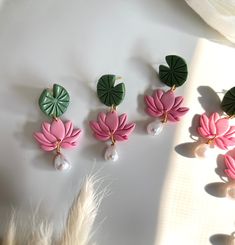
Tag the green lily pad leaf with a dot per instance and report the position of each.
(108, 93)
(177, 72)
(54, 102)
(228, 102)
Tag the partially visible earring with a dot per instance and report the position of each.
(56, 134)
(215, 129)
(110, 126)
(164, 105)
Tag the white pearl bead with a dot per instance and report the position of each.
(111, 153)
(155, 128)
(61, 163)
(204, 151)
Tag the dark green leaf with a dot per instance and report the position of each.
(228, 102)
(54, 103)
(177, 72)
(108, 93)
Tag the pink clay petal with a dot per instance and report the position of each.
(178, 102)
(229, 173)
(172, 117)
(48, 148)
(230, 163)
(168, 99)
(101, 121)
(222, 126)
(231, 131)
(204, 123)
(150, 102)
(41, 138)
(68, 128)
(122, 120)
(153, 113)
(159, 93)
(212, 126)
(157, 101)
(67, 145)
(126, 130)
(57, 129)
(112, 120)
(95, 127)
(72, 138)
(204, 133)
(102, 137)
(76, 131)
(47, 134)
(221, 143)
(118, 137)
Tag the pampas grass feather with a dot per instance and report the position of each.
(78, 229)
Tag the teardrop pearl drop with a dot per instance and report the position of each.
(111, 153)
(204, 151)
(61, 163)
(155, 128)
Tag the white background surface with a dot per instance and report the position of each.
(157, 196)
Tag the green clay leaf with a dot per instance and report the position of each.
(54, 103)
(108, 93)
(177, 72)
(228, 102)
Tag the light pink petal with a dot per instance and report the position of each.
(157, 100)
(150, 103)
(102, 137)
(112, 120)
(220, 143)
(212, 121)
(231, 131)
(101, 121)
(178, 102)
(125, 132)
(41, 138)
(57, 129)
(222, 126)
(74, 136)
(230, 164)
(204, 133)
(67, 145)
(121, 137)
(68, 128)
(153, 113)
(122, 120)
(45, 129)
(204, 123)
(168, 99)
(159, 93)
(48, 148)
(95, 127)
(172, 117)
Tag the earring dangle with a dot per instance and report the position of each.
(164, 105)
(216, 130)
(56, 134)
(109, 126)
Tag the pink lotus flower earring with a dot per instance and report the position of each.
(164, 105)
(56, 134)
(109, 126)
(215, 129)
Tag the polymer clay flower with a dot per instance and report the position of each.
(230, 166)
(165, 104)
(217, 130)
(56, 135)
(110, 126)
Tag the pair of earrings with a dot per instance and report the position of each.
(218, 131)
(163, 105)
